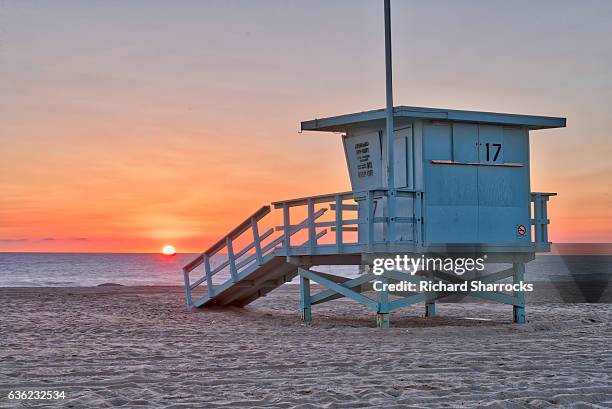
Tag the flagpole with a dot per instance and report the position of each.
(389, 120)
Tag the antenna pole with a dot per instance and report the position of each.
(389, 86)
(389, 115)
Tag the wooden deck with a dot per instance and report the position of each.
(274, 256)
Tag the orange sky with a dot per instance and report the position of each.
(123, 134)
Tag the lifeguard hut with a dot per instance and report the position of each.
(424, 181)
(461, 190)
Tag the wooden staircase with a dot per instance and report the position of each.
(254, 271)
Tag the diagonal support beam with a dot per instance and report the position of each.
(500, 275)
(335, 278)
(399, 276)
(338, 287)
(491, 278)
(485, 295)
(329, 295)
(417, 298)
(496, 297)
(448, 277)
(314, 276)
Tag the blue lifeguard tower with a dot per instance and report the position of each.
(461, 190)
(424, 182)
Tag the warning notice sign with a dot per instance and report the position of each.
(364, 162)
(363, 155)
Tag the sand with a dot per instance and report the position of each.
(142, 347)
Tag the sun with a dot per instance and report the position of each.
(168, 250)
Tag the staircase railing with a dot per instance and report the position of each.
(238, 266)
(227, 243)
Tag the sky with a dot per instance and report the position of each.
(125, 126)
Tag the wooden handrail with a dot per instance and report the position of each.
(237, 231)
(264, 250)
(316, 199)
(241, 252)
(331, 197)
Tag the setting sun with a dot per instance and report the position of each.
(168, 250)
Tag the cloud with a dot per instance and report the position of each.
(49, 238)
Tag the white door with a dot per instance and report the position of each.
(403, 171)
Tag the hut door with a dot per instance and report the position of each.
(503, 184)
(403, 175)
(402, 157)
(451, 187)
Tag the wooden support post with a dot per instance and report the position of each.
(382, 320)
(305, 304)
(544, 211)
(338, 224)
(187, 287)
(382, 315)
(209, 283)
(370, 218)
(537, 215)
(430, 309)
(418, 214)
(312, 232)
(231, 258)
(286, 231)
(430, 306)
(391, 209)
(256, 241)
(519, 308)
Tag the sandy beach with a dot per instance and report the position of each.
(141, 346)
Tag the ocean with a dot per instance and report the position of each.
(92, 269)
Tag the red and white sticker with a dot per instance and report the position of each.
(521, 229)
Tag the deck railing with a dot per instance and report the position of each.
(343, 223)
(371, 229)
(540, 219)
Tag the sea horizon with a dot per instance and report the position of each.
(71, 269)
(563, 248)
